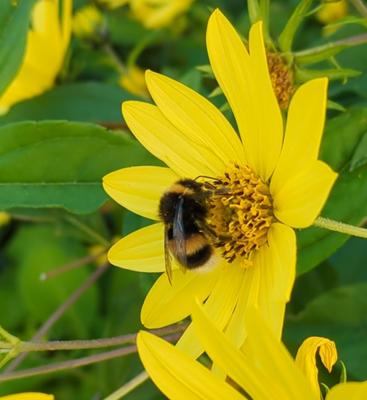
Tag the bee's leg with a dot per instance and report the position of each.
(211, 234)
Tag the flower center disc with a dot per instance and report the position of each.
(240, 212)
(281, 78)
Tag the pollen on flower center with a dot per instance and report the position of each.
(240, 212)
(281, 78)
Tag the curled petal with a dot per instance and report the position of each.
(306, 358)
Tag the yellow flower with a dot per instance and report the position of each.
(264, 369)
(113, 3)
(4, 218)
(47, 42)
(154, 14)
(134, 82)
(332, 11)
(275, 166)
(87, 21)
(306, 358)
(28, 396)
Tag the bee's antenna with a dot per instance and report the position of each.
(207, 177)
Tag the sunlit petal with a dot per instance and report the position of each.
(182, 153)
(198, 120)
(348, 391)
(245, 80)
(139, 189)
(219, 306)
(273, 363)
(142, 250)
(227, 356)
(300, 199)
(168, 303)
(178, 376)
(305, 124)
(267, 283)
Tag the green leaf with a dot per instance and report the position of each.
(333, 105)
(348, 20)
(14, 23)
(84, 101)
(286, 38)
(360, 155)
(304, 75)
(341, 315)
(61, 164)
(348, 199)
(192, 79)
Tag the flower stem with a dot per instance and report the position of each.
(59, 312)
(128, 387)
(87, 230)
(341, 227)
(66, 365)
(360, 7)
(76, 363)
(114, 57)
(56, 345)
(80, 262)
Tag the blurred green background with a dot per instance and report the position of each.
(44, 231)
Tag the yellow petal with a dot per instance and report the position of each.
(139, 189)
(219, 306)
(300, 199)
(198, 120)
(168, 303)
(183, 154)
(348, 391)
(246, 83)
(142, 250)
(28, 396)
(305, 124)
(158, 14)
(177, 376)
(272, 362)
(306, 358)
(44, 53)
(227, 356)
(267, 283)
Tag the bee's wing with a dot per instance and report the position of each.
(167, 256)
(179, 235)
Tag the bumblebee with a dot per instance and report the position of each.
(183, 210)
